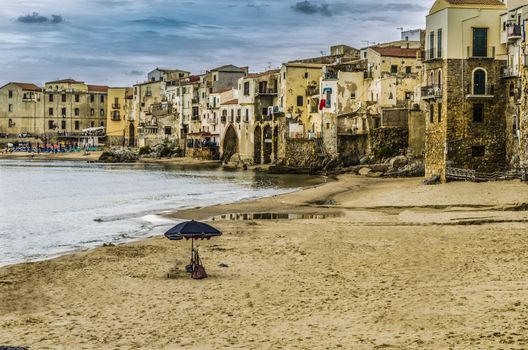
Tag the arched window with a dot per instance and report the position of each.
(479, 82)
(439, 78)
(512, 89)
(431, 78)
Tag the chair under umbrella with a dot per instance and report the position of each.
(193, 230)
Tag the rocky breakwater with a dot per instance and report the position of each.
(118, 156)
(400, 166)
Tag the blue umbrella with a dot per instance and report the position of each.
(192, 230)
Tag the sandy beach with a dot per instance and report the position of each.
(395, 265)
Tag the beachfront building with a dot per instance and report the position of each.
(118, 123)
(21, 109)
(157, 119)
(371, 103)
(72, 106)
(466, 98)
(513, 35)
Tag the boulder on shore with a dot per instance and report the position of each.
(118, 156)
(364, 171)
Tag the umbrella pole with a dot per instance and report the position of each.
(192, 251)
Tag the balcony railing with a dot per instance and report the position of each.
(116, 106)
(312, 90)
(510, 72)
(475, 92)
(195, 118)
(514, 32)
(431, 91)
(481, 52)
(266, 91)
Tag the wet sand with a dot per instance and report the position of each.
(405, 266)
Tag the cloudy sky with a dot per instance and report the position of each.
(115, 42)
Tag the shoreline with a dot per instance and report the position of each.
(438, 257)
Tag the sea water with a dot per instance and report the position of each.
(49, 208)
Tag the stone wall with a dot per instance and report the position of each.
(395, 139)
(512, 113)
(523, 120)
(417, 132)
(330, 134)
(300, 153)
(351, 148)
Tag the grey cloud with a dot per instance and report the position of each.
(310, 8)
(36, 18)
(134, 73)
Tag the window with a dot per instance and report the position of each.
(92, 124)
(63, 98)
(101, 124)
(101, 112)
(101, 99)
(480, 42)
(439, 46)
(50, 97)
(478, 113)
(10, 107)
(92, 98)
(328, 97)
(246, 88)
(10, 93)
(77, 112)
(247, 115)
(300, 101)
(63, 124)
(512, 89)
(479, 82)
(92, 112)
(77, 125)
(63, 112)
(439, 112)
(408, 95)
(394, 69)
(50, 111)
(478, 151)
(408, 70)
(168, 130)
(10, 123)
(51, 126)
(439, 81)
(431, 45)
(431, 113)
(77, 98)
(353, 95)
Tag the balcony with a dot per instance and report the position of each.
(510, 72)
(479, 53)
(116, 106)
(195, 118)
(195, 101)
(474, 93)
(514, 32)
(312, 91)
(431, 92)
(266, 92)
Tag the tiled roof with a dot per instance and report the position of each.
(269, 72)
(476, 2)
(231, 102)
(27, 86)
(219, 91)
(65, 81)
(228, 68)
(396, 52)
(97, 88)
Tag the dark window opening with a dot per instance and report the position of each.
(480, 42)
(300, 101)
(478, 151)
(479, 82)
(394, 69)
(439, 112)
(478, 113)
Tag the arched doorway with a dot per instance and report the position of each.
(257, 150)
(275, 142)
(131, 135)
(230, 143)
(267, 144)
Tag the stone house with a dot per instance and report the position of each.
(22, 109)
(465, 94)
